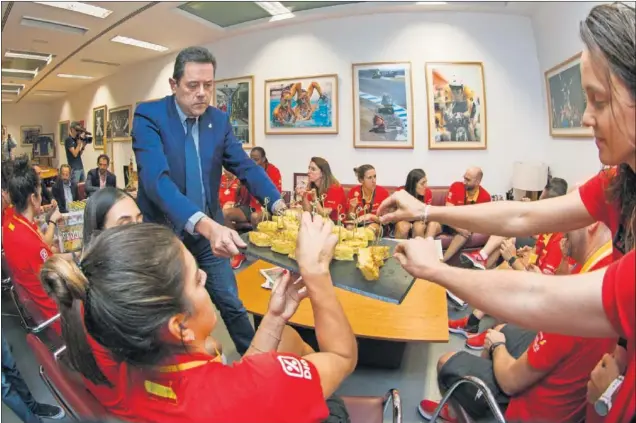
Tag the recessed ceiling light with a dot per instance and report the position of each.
(10, 84)
(430, 3)
(11, 91)
(281, 17)
(7, 100)
(9, 70)
(52, 25)
(79, 7)
(138, 43)
(273, 7)
(32, 56)
(67, 75)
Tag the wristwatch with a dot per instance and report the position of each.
(279, 207)
(494, 346)
(512, 260)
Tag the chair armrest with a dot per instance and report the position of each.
(481, 386)
(39, 328)
(393, 397)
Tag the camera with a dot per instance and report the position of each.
(88, 137)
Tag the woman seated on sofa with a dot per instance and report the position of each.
(416, 185)
(365, 198)
(324, 193)
(139, 293)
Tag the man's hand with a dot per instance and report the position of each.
(286, 296)
(225, 242)
(400, 206)
(508, 249)
(419, 257)
(601, 378)
(315, 246)
(492, 337)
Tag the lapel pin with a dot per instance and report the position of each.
(209, 125)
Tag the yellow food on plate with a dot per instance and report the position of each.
(267, 226)
(343, 252)
(343, 233)
(380, 251)
(260, 239)
(368, 265)
(283, 246)
(292, 255)
(369, 233)
(356, 244)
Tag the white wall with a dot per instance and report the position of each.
(556, 31)
(16, 115)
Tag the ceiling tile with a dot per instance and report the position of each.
(297, 6)
(225, 13)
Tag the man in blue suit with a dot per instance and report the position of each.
(181, 144)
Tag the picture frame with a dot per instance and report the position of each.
(383, 105)
(29, 134)
(120, 121)
(566, 100)
(235, 96)
(100, 119)
(45, 146)
(320, 116)
(62, 130)
(298, 178)
(456, 106)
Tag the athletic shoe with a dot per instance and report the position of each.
(477, 342)
(461, 304)
(427, 409)
(237, 260)
(475, 259)
(49, 411)
(460, 326)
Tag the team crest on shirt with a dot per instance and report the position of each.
(539, 341)
(357, 194)
(295, 367)
(43, 254)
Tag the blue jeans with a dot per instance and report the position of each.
(15, 393)
(78, 176)
(221, 285)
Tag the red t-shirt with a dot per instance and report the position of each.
(25, 252)
(619, 297)
(548, 250)
(228, 190)
(272, 387)
(275, 176)
(335, 197)
(428, 195)
(378, 197)
(561, 395)
(457, 195)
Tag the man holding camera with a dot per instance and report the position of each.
(74, 145)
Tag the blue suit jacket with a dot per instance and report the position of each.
(159, 145)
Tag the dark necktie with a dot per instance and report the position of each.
(194, 189)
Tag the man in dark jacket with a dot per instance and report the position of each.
(65, 190)
(100, 177)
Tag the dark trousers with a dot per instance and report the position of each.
(15, 392)
(221, 284)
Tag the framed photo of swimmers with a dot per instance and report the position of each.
(235, 97)
(456, 106)
(566, 100)
(382, 105)
(302, 105)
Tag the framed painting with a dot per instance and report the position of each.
(456, 106)
(235, 97)
(301, 179)
(100, 115)
(120, 120)
(44, 147)
(566, 100)
(302, 105)
(29, 134)
(382, 105)
(62, 130)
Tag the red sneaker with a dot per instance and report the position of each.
(477, 342)
(475, 259)
(460, 326)
(427, 408)
(237, 260)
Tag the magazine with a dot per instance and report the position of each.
(70, 231)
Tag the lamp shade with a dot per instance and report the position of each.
(529, 176)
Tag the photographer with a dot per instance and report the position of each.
(74, 145)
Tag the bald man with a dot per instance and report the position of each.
(460, 193)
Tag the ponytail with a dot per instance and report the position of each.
(69, 286)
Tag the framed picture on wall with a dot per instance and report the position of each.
(382, 105)
(100, 115)
(302, 105)
(29, 134)
(236, 98)
(120, 119)
(301, 179)
(45, 146)
(62, 130)
(566, 100)
(456, 106)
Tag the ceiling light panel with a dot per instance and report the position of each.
(138, 43)
(273, 7)
(19, 73)
(29, 56)
(100, 62)
(67, 75)
(52, 25)
(79, 7)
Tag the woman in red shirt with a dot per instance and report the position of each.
(144, 300)
(596, 304)
(365, 198)
(324, 195)
(260, 158)
(417, 186)
(228, 190)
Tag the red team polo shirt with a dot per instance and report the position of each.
(457, 195)
(335, 197)
(619, 295)
(264, 388)
(25, 252)
(275, 176)
(378, 197)
(548, 250)
(561, 395)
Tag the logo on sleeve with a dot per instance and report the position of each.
(295, 367)
(539, 341)
(43, 254)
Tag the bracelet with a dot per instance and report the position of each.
(50, 221)
(424, 217)
(493, 346)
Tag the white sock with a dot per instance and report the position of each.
(483, 254)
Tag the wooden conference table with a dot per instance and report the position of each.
(382, 329)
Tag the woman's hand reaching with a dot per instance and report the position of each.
(315, 246)
(286, 296)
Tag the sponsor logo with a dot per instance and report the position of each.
(44, 255)
(539, 341)
(295, 367)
